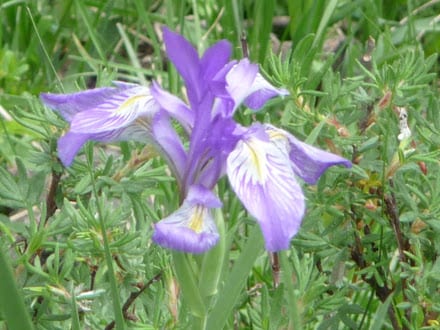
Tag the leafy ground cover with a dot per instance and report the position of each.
(75, 242)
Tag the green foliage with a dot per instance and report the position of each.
(78, 238)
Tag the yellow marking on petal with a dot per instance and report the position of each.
(276, 135)
(196, 220)
(257, 159)
(129, 102)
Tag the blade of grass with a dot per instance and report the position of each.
(132, 55)
(328, 12)
(235, 281)
(43, 48)
(91, 30)
(11, 301)
(76, 325)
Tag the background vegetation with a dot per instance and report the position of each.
(75, 242)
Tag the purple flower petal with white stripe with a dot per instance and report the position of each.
(261, 176)
(69, 105)
(107, 114)
(191, 228)
(308, 162)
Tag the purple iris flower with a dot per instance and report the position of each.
(262, 162)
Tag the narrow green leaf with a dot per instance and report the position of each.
(11, 302)
(235, 282)
(325, 18)
(132, 55)
(186, 278)
(381, 313)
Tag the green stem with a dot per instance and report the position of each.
(212, 264)
(188, 284)
(235, 281)
(117, 309)
(294, 315)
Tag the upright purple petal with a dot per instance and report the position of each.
(307, 162)
(214, 59)
(191, 228)
(186, 60)
(261, 176)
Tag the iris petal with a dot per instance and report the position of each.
(174, 106)
(118, 111)
(308, 162)
(191, 228)
(69, 145)
(186, 60)
(262, 91)
(261, 176)
(70, 104)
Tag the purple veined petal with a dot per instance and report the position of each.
(308, 162)
(70, 104)
(186, 60)
(215, 58)
(239, 81)
(116, 112)
(261, 91)
(218, 82)
(261, 176)
(191, 228)
(69, 145)
(174, 106)
(169, 144)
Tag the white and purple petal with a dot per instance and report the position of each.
(262, 91)
(261, 176)
(68, 105)
(239, 81)
(308, 162)
(118, 111)
(191, 228)
(245, 84)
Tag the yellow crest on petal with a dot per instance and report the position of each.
(196, 221)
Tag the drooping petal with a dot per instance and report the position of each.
(69, 145)
(307, 162)
(239, 81)
(261, 176)
(191, 228)
(261, 91)
(118, 111)
(245, 84)
(70, 104)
